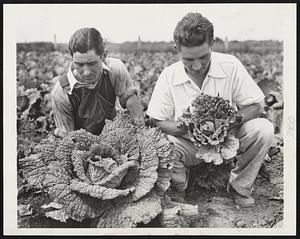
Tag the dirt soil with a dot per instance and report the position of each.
(216, 209)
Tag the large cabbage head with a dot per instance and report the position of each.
(207, 121)
(117, 178)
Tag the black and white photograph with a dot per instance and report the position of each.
(149, 119)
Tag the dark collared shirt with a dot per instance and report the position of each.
(121, 82)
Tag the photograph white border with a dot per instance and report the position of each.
(10, 21)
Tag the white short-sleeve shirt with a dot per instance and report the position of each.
(227, 77)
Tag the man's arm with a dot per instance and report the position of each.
(62, 110)
(135, 108)
(170, 127)
(248, 112)
(246, 95)
(125, 90)
(161, 108)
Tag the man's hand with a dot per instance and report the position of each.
(60, 132)
(135, 109)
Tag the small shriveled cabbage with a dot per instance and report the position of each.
(117, 178)
(207, 121)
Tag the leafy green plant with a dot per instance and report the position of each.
(207, 122)
(118, 178)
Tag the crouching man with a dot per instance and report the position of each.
(86, 95)
(200, 70)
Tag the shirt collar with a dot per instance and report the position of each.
(214, 71)
(73, 81)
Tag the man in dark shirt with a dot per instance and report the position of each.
(88, 93)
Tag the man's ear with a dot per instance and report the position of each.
(104, 55)
(175, 47)
(212, 43)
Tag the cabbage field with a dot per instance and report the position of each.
(36, 75)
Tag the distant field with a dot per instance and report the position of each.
(259, 47)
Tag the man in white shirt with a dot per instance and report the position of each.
(202, 71)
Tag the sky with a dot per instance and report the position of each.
(152, 22)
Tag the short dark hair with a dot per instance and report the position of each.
(193, 30)
(86, 39)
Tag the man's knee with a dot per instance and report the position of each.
(179, 185)
(179, 174)
(180, 177)
(261, 129)
(176, 141)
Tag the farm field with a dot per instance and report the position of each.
(36, 76)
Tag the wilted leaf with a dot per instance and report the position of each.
(59, 215)
(25, 210)
(52, 205)
(179, 216)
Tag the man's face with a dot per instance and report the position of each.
(88, 66)
(196, 59)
